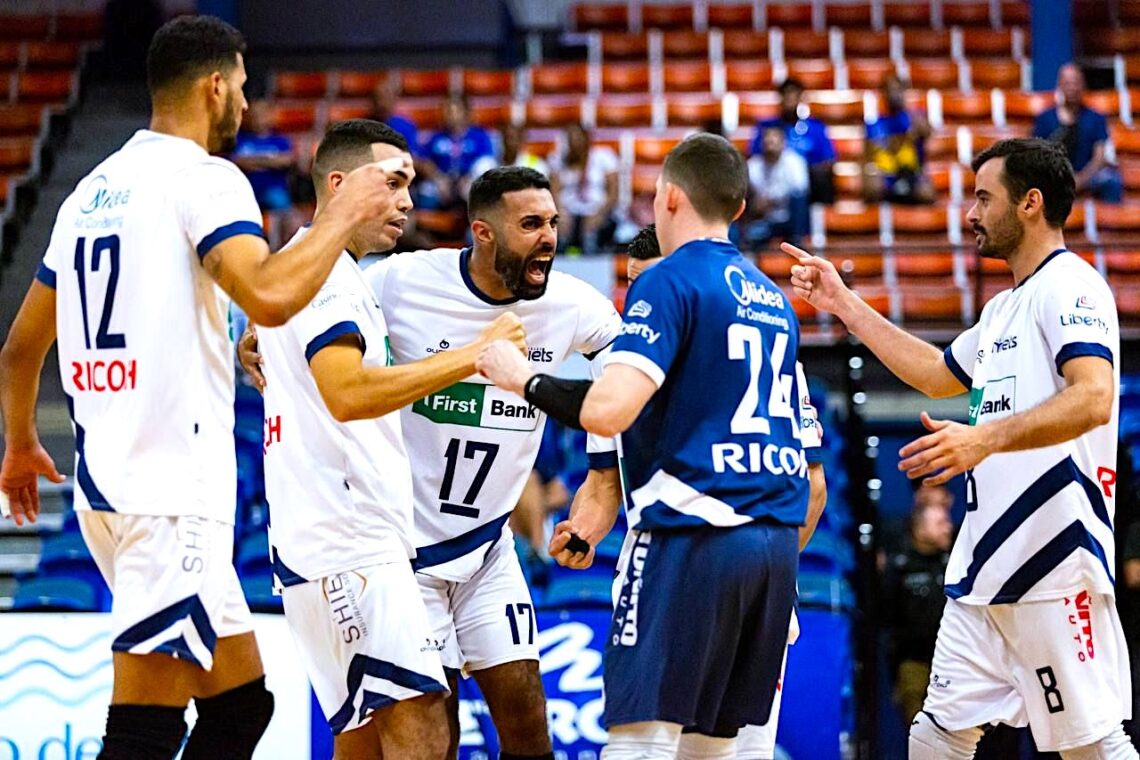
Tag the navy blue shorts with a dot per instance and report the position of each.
(700, 626)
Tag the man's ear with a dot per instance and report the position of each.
(482, 232)
(673, 196)
(739, 211)
(333, 180)
(1033, 201)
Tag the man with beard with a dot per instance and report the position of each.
(136, 282)
(472, 445)
(1030, 633)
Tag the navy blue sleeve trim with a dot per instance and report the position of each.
(1073, 350)
(956, 368)
(338, 330)
(603, 460)
(814, 455)
(227, 231)
(594, 354)
(46, 275)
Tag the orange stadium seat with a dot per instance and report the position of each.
(1132, 67)
(624, 45)
(804, 43)
(848, 141)
(875, 295)
(789, 15)
(80, 27)
(20, 119)
(643, 180)
(966, 13)
(931, 304)
(540, 142)
(757, 106)
(1129, 172)
(858, 268)
(652, 149)
(667, 15)
(21, 27)
(624, 111)
(693, 109)
(601, 16)
(864, 44)
(425, 113)
(745, 43)
(553, 111)
(995, 72)
(915, 224)
(1107, 102)
(905, 13)
(730, 15)
(442, 223)
(349, 109)
(16, 154)
(849, 15)
(44, 86)
(926, 43)
(488, 82)
(300, 84)
(848, 176)
(836, 106)
(294, 117)
(556, 78)
(1118, 221)
(868, 73)
(687, 76)
(849, 223)
(11, 54)
(923, 266)
(490, 112)
(984, 136)
(1122, 262)
(1129, 11)
(939, 173)
(741, 139)
(815, 74)
(974, 107)
(1022, 108)
(1127, 297)
(1016, 13)
(987, 43)
(684, 43)
(415, 83)
(934, 74)
(7, 185)
(1075, 226)
(359, 84)
(51, 55)
(748, 76)
(942, 144)
(1127, 141)
(625, 77)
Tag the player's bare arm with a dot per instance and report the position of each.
(270, 289)
(913, 360)
(953, 448)
(817, 500)
(21, 361)
(592, 517)
(352, 391)
(250, 358)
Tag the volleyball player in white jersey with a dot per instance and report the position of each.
(1030, 634)
(135, 282)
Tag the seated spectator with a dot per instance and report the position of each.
(384, 111)
(778, 196)
(266, 158)
(893, 162)
(453, 152)
(513, 154)
(1083, 132)
(804, 135)
(584, 179)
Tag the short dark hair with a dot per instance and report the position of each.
(188, 47)
(489, 189)
(347, 145)
(1031, 162)
(712, 173)
(791, 83)
(645, 245)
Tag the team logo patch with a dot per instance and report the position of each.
(1084, 302)
(478, 405)
(640, 309)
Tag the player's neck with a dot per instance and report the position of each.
(698, 230)
(176, 122)
(1033, 250)
(481, 267)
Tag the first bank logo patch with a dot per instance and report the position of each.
(478, 405)
(997, 399)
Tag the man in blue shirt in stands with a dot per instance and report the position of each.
(453, 152)
(266, 158)
(804, 135)
(1083, 132)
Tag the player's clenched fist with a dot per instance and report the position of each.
(507, 327)
(816, 280)
(503, 364)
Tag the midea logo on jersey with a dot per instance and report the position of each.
(102, 198)
(747, 292)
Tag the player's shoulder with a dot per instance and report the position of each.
(1066, 273)
(568, 291)
(425, 260)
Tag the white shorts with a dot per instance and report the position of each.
(759, 742)
(1059, 666)
(173, 584)
(487, 620)
(364, 639)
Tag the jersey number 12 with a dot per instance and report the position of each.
(110, 246)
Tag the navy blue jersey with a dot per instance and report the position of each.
(719, 443)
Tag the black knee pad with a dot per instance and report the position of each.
(231, 724)
(143, 732)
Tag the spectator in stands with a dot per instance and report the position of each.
(893, 159)
(913, 596)
(1084, 134)
(513, 153)
(584, 179)
(453, 152)
(384, 111)
(266, 157)
(778, 206)
(804, 135)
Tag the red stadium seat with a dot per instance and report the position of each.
(624, 111)
(21, 27)
(1023, 107)
(858, 267)
(836, 106)
(557, 78)
(906, 13)
(1118, 221)
(10, 56)
(300, 84)
(488, 82)
(748, 76)
(1016, 13)
(7, 186)
(643, 180)
(652, 149)
(16, 154)
(815, 74)
(1127, 141)
(667, 15)
(876, 296)
(425, 113)
(804, 43)
(966, 13)
(913, 224)
(684, 43)
(1129, 11)
(359, 84)
(601, 16)
(865, 44)
(1129, 172)
(625, 77)
(931, 304)
(51, 55)
(693, 109)
(985, 136)
(687, 76)
(995, 72)
(850, 223)
(789, 15)
(417, 84)
(934, 74)
(730, 16)
(349, 109)
(926, 43)
(490, 112)
(942, 144)
(540, 143)
(849, 15)
(745, 43)
(848, 141)
(44, 86)
(939, 173)
(974, 107)
(1107, 102)
(919, 265)
(624, 45)
(553, 111)
(294, 117)
(868, 73)
(1122, 262)
(1127, 293)
(80, 27)
(757, 106)
(20, 119)
(987, 43)
(848, 177)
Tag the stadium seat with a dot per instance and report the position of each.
(877, 296)
(51, 55)
(589, 16)
(16, 154)
(24, 27)
(987, 43)
(836, 106)
(44, 86)
(490, 112)
(643, 179)
(1109, 41)
(652, 149)
(541, 142)
(624, 45)
(624, 111)
(1021, 108)
(11, 56)
(358, 84)
(995, 72)
(348, 109)
(907, 14)
(942, 144)
(1127, 298)
(1107, 102)
(56, 595)
(789, 16)
(965, 13)
(933, 74)
(7, 187)
(558, 78)
(79, 27)
(425, 113)
(295, 117)
(1126, 141)
(20, 119)
(553, 111)
(693, 109)
(858, 268)
(758, 106)
(415, 83)
(443, 223)
(848, 15)
(920, 224)
(848, 141)
(667, 15)
(1129, 11)
(684, 43)
(730, 16)
(970, 107)
(931, 304)
(748, 76)
(866, 44)
(849, 223)
(848, 177)
(1129, 172)
(940, 174)
(481, 82)
(1117, 222)
(1016, 13)
(868, 73)
(806, 44)
(921, 266)
(983, 137)
(687, 76)
(815, 74)
(625, 77)
(300, 84)
(745, 43)
(926, 43)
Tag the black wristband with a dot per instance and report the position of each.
(561, 399)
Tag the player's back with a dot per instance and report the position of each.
(722, 424)
(144, 346)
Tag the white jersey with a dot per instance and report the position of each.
(145, 353)
(339, 493)
(473, 445)
(1038, 522)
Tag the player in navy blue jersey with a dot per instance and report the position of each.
(701, 383)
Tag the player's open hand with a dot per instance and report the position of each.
(249, 358)
(570, 550)
(507, 326)
(503, 364)
(19, 480)
(949, 450)
(816, 280)
(372, 190)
